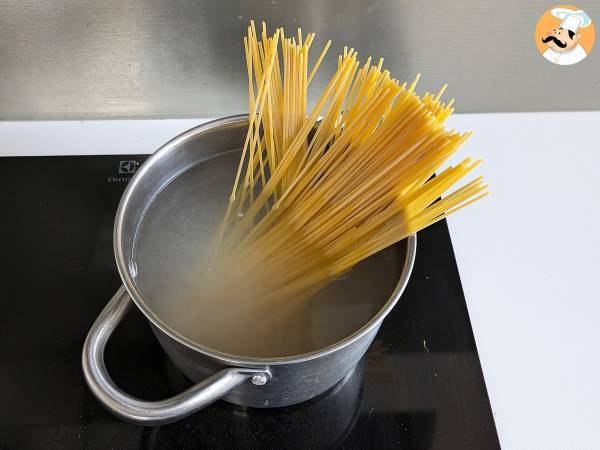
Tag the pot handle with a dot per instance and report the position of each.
(150, 412)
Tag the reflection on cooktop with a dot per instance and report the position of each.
(323, 422)
(420, 385)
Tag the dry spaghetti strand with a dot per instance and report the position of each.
(319, 190)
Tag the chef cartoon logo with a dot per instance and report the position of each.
(565, 35)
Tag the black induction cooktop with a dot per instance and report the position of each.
(420, 385)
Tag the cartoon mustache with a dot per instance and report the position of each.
(556, 41)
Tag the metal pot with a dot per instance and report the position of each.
(267, 382)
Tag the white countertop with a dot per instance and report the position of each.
(528, 257)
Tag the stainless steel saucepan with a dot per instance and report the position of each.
(247, 381)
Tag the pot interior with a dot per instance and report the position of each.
(171, 240)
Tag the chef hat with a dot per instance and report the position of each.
(572, 20)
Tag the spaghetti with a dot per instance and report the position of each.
(318, 191)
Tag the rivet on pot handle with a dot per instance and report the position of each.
(150, 412)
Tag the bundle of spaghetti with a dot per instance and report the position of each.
(317, 192)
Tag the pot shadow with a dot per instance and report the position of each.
(321, 422)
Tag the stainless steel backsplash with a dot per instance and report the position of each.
(67, 59)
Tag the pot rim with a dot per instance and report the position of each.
(411, 247)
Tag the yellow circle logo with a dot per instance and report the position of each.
(565, 35)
